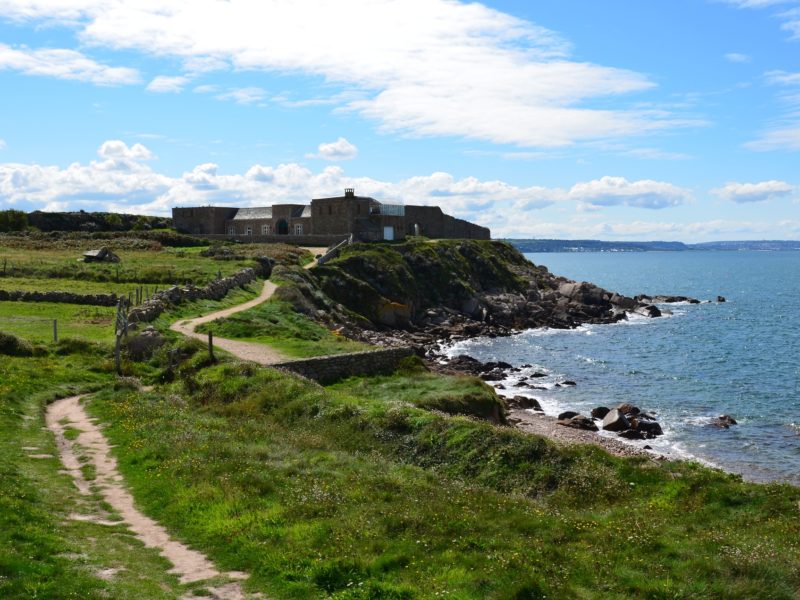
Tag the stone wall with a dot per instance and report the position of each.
(161, 301)
(297, 240)
(327, 369)
(57, 296)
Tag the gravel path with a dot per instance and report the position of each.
(92, 447)
(255, 352)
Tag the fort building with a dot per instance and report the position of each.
(325, 221)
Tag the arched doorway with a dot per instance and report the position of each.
(282, 227)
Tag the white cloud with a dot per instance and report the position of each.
(247, 95)
(780, 138)
(426, 67)
(754, 192)
(790, 17)
(116, 149)
(341, 149)
(63, 64)
(164, 84)
(736, 57)
(615, 191)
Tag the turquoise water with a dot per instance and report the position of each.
(740, 358)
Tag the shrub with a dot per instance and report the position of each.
(13, 346)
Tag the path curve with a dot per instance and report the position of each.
(252, 351)
(190, 565)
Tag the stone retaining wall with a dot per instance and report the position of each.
(216, 290)
(327, 369)
(57, 296)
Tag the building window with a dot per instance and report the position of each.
(298, 229)
(265, 230)
(232, 230)
(248, 230)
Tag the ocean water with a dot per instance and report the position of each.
(741, 357)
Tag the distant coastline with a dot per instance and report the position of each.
(547, 245)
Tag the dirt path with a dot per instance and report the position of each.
(252, 351)
(90, 448)
(259, 353)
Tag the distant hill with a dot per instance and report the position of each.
(602, 246)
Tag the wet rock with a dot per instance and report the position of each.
(524, 402)
(615, 421)
(628, 409)
(578, 422)
(495, 375)
(600, 412)
(568, 382)
(631, 434)
(567, 414)
(720, 298)
(649, 428)
(723, 421)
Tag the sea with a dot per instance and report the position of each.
(740, 357)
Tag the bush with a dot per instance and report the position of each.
(13, 346)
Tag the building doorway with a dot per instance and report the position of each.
(282, 227)
(388, 233)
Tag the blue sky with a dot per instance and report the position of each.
(615, 120)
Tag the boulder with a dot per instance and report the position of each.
(615, 421)
(578, 422)
(568, 414)
(628, 409)
(524, 402)
(600, 412)
(568, 383)
(650, 428)
(720, 298)
(723, 421)
(631, 434)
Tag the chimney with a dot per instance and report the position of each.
(349, 193)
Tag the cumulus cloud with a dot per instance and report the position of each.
(754, 192)
(63, 64)
(341, 149)
(117, 149)
(164, 84)
(616, 191)
(428, 67)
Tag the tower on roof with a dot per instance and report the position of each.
(349, 193)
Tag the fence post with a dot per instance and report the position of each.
(55, 331)
(211, 345)
(117, 362)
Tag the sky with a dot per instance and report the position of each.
(614, 120)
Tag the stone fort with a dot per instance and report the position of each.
(325, 221)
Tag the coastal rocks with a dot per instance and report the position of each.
(524, 402)
(648, 310)
(567, 415)
(600, 412)
(720, 299)
(578, 422)
(723, 422)
(615, 420)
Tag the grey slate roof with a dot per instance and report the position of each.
(253, 213)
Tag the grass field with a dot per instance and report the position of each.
(76, 286)
(166, 267)
(34, 320)
(276, 324)
(44, 552)
(324, 495)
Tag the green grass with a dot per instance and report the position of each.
(164, 267)
(413, 384)
(276, 324)
(43, 552)
(321, 494)
(34, 321)
(35, 284)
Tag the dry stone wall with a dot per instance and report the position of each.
(57, 296)
(327, 369)
(216, 290)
